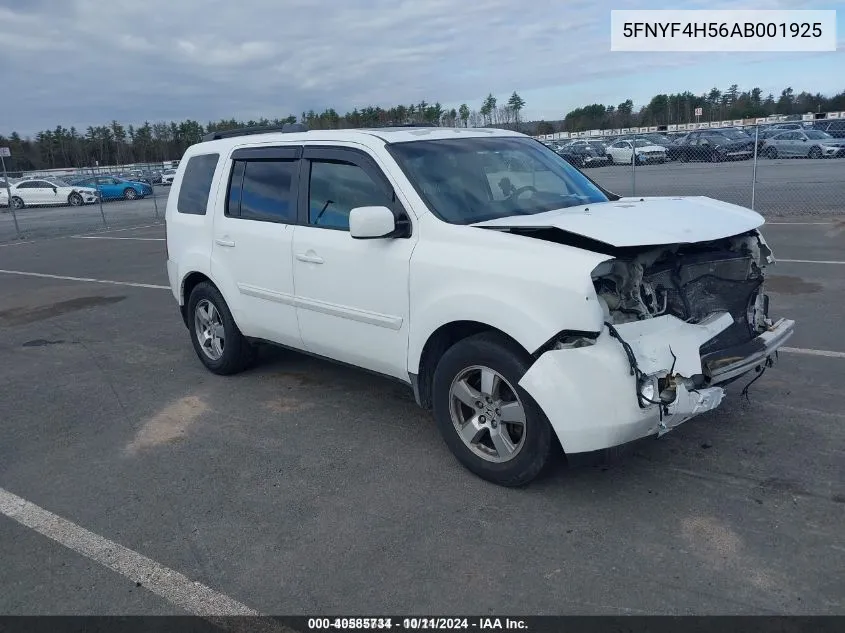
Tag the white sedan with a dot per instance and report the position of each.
(167, 176)
(47, 191)
(621, 152)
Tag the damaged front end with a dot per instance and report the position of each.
(691, 318)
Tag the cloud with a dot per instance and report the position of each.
(81, 62)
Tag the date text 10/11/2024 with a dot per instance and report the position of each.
(417, 623)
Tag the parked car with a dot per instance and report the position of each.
(712, 146)
(804, 144)
(834, 127)
(167, 177)
(112, 188)
(522, 303)
(47, 191)
(655, 139)
(621, 152)
(135, 175)
(587, 152)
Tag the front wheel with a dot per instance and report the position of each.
(130, 194)
(609, 159)
(75, 200)
(771, 153)
(491, 425)
(217, 340)
(815, 152)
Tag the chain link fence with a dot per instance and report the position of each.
(60, 202)
(796, 169)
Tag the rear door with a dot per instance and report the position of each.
(789, 144)
(253, 233)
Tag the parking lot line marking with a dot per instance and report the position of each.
(798, 223)
(86, 279)
(812, 352)
(176, 588)
(128, 228)
(109, 237)
(18, 243)
(807, 261)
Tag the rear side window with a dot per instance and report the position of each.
(262, 190)
(196, 184)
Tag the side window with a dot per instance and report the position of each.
(26, 185)
(261, 190)
(196, 184)
(337, 187)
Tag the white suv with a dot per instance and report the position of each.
(522, 303)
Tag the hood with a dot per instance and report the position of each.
(643, 221)
(836, 142)
(650, 148)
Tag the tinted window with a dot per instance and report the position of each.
(261, 190)
(196, 184)
(29, 184)
(338, 187)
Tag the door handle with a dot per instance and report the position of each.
(311, 259)
(228, 243)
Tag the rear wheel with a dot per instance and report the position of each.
(682, 157)
(771, 153)
(130, 194)
(491, 425)
(75, 200)
(217, 340)
(17, 203)
(609, 159)
(815, 152)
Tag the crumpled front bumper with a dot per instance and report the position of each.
(589, 394)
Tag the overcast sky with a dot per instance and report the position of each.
(84, 62)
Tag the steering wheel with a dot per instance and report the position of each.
(521, 190)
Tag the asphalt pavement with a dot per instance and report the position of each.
(304, 487)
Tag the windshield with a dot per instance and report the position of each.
(817, 134)
(471, 180)
(56, 182)
(641, 142)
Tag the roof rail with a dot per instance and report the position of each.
(287, 128)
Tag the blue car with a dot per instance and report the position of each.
(112, 188)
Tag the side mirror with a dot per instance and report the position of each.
(370, 223)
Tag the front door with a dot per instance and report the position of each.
(351, 295)
(253, 233)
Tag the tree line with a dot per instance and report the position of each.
(716, 105)
(119, 144)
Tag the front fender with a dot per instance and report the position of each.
(530, 289)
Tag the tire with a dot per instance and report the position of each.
(815, 152)
(580, 162)
(716, 157)
(683, 158)
(772, 153)
(528, 444)
(75, 200)
(234, 353)
(17, 203)
(609, 159)
(130, 194)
